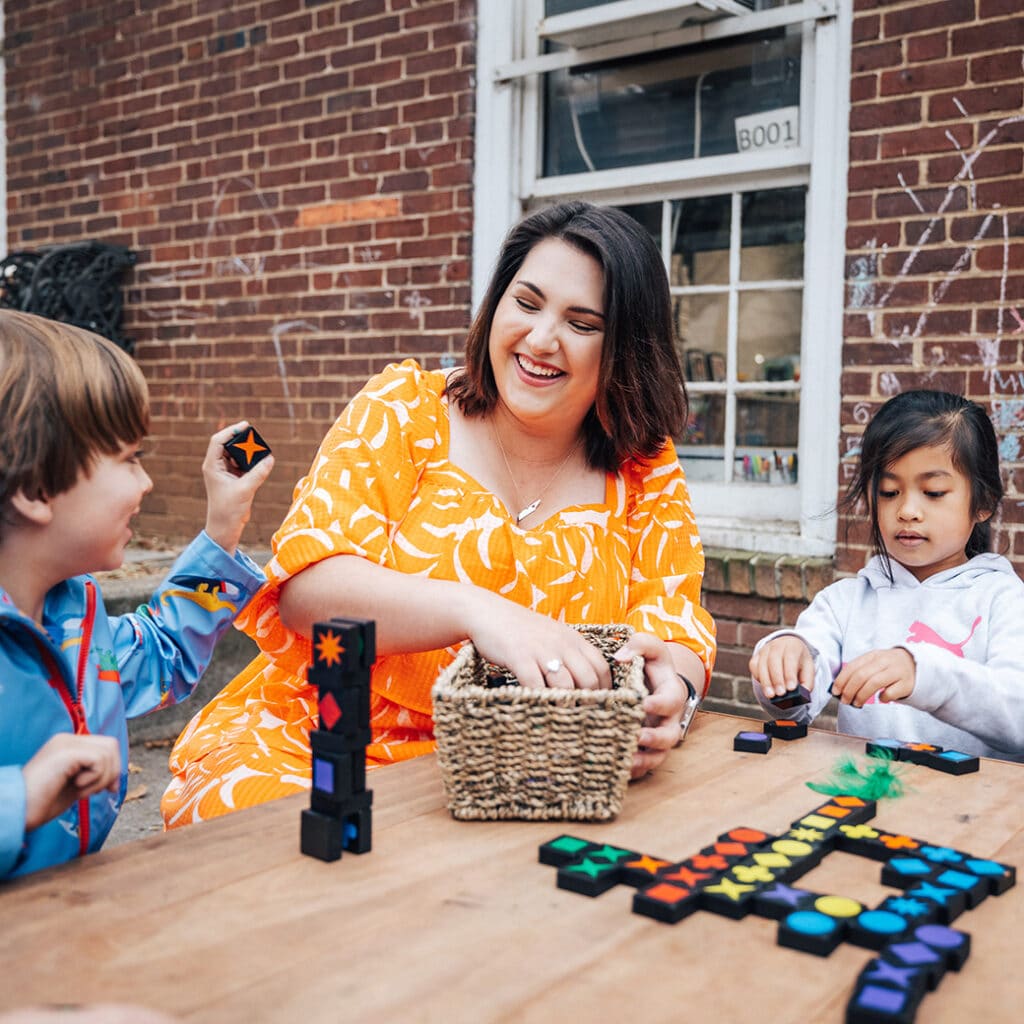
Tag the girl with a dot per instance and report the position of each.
(923, 645)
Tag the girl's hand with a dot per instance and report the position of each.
(67, 768)
(229, 491)
(891, 673)
(781, 665)
(663, 705)
(536, 649)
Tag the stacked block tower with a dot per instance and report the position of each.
(339, 813)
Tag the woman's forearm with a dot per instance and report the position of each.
(412, 613)
(687, 664)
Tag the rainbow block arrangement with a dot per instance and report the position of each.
(339, 817)
(952, 762)
(748, 871)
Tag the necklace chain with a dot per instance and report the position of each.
(535, 504)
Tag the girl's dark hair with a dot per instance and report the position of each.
(641, 397)
(917, 419)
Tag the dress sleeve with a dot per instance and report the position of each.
(356, 492)
(667, 558)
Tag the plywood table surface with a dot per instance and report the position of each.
(457, 921)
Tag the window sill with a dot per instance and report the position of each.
(778, 537)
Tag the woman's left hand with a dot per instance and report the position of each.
(663, 705)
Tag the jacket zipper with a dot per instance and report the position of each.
(73, 701)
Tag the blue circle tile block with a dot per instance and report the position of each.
(752, 742)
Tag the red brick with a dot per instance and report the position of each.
(875, 56)
(921, 17)
(949, 106)
(926, 140)
(928, 47)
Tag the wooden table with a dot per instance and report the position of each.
(456, 921)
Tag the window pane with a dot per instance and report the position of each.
(553, 7)
(769, 335)
(677, 105)
(772, 229)
(704, 437)
(702, 324)
(649, 216)
(700, 241)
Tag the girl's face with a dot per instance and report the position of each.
(547, 334)
(924, 511)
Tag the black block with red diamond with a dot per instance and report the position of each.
(339, 816)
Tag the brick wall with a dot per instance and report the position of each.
(935, 256)
(750, 595)
(296, 177)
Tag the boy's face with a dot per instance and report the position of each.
(90, 524)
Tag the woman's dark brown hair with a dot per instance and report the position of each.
(641, 397)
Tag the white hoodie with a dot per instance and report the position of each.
(964, 628)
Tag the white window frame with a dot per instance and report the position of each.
(788, 520)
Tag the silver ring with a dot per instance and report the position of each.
(554, 665)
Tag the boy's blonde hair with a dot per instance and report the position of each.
(66, 396)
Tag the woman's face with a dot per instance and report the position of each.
(547, 335)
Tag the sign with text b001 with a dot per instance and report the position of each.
(773, 129)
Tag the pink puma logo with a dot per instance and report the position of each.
(922, 634)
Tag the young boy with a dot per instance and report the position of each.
(74, 409)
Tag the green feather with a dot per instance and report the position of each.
(877, 779)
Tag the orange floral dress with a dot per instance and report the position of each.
(381, 487)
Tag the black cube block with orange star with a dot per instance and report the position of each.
(246, 448)
(343, 651)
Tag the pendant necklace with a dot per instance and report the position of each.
(535, 504)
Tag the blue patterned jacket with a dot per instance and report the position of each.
(87, 672)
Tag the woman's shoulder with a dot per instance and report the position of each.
(406, 380)
(402, 393)
(659, 471)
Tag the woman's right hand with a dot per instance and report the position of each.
(537, 650)
(781, 665)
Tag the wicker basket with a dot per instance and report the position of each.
(508, 751)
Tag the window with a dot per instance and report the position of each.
(718, 125)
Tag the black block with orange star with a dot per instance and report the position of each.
(246, 448)
(341, 650)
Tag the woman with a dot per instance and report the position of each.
(535, 487)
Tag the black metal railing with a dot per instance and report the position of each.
(77, 284)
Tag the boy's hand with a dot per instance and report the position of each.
(891, 671)
(67, 768)
(782, 665)
(229, 492)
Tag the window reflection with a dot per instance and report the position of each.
(676, 105)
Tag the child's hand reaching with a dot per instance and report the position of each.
(781, 665)
(229, 492)
(67, 768)
(891, 671)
